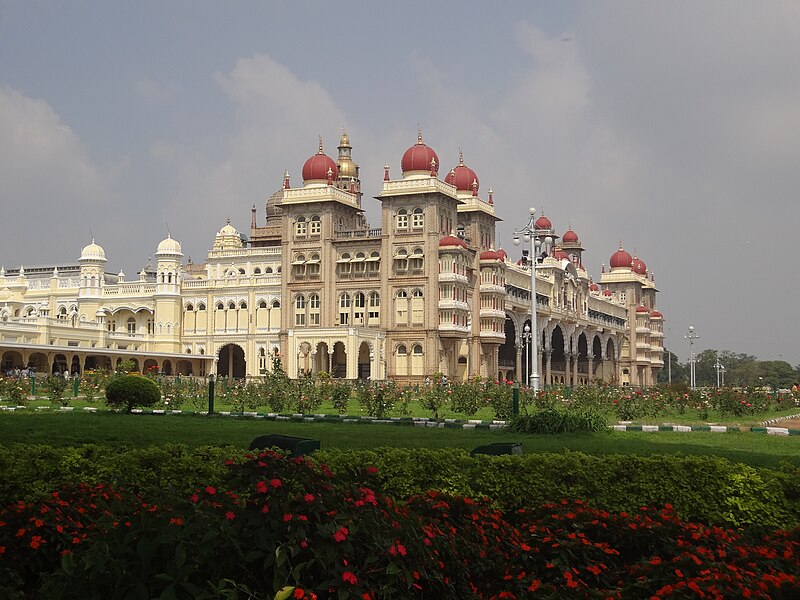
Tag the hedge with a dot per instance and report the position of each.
(700, 488)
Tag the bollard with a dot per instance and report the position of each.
(515, 399)
(211, 394)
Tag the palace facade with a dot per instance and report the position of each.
(429, 291)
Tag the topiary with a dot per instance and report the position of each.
(132, 391)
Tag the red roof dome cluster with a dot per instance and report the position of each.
(489, 255)
(607, 292)
(501, 254)
(570, 237)
(463, 177)
(420, 158)
(620, 258)
(642, 309)
(451, 240)
(638, 266)
(654, 314)
(316, 168)
(543, 223)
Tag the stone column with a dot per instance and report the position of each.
(518, 362)
(548, 356)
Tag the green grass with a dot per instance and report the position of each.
(68, 429)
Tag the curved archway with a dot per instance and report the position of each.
(339, 361)
(231, 361)
(364, 363)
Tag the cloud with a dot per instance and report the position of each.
(279, 118)
(45, 171)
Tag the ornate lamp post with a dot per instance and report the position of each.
(526, 338)
(528, 233)
(691, 336)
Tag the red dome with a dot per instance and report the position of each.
(419, 157)
(489, 255)
(463, 177)
(642, 309)
(316, 167)
(543, 223)
(570, 237)
(638, 266)
(620, 258)
(501, 254)
(451, 240)
(607, 292)
(560, 254)
(655, 314)
(594, 288)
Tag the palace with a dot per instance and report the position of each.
(429, 291)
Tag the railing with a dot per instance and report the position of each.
(359, 233)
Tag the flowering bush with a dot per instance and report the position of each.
(287, 528)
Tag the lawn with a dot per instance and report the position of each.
(67, 429)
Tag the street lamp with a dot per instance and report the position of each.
(720, 371)
(526, 338)
(691, 336)
(528, 233)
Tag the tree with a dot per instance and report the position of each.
(132, 391)
(680, 373)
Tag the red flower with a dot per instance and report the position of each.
(341, 535)
(287, 517)
(211, 490)
(261, 487)
(276, 483)
(299, 593)
(230, 515)
(36, 541)
(309, 498)
(349, 578)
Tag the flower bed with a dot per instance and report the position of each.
(285, 526)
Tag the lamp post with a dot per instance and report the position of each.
(691, 336)
(526, 338)
(720, 371)
(528, 233)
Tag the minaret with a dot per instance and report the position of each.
(348, 170)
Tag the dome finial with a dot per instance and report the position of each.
(460, 157)
(419, 134)
(228, 221)
(386, 172)
(320, 146)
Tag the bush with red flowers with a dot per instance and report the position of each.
(280, 527)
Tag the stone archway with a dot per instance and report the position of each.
(339, 362)
(322, 361)
(11, 360)
(59, 364)
(231, 361)
(364, 362)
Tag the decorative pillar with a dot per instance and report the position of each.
(548, 355)
(575, 360)
(590, 364)
(518, 362)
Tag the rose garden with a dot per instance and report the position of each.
(161, 504)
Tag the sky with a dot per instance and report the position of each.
(672, 128)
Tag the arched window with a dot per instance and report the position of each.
(344, 309)
(313, 265)
(262, 304)
(374, 313)
(402, 219)
(201, 306)
(220, 306)
(257, 271)
(401, 259)
(417, 350)
(313, 309)
(359, 304)
(358, 263)
(300, 226)
(315, 225)
(401, 350)
(231, 305)
(417, 219)
(401, 307)
(268, 271)
(131, 324)
(417, 307)
(189, 307)
(300, 310)
(243, 305)
(416, 259)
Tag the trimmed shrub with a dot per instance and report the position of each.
(132, 391)
(556, 420)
